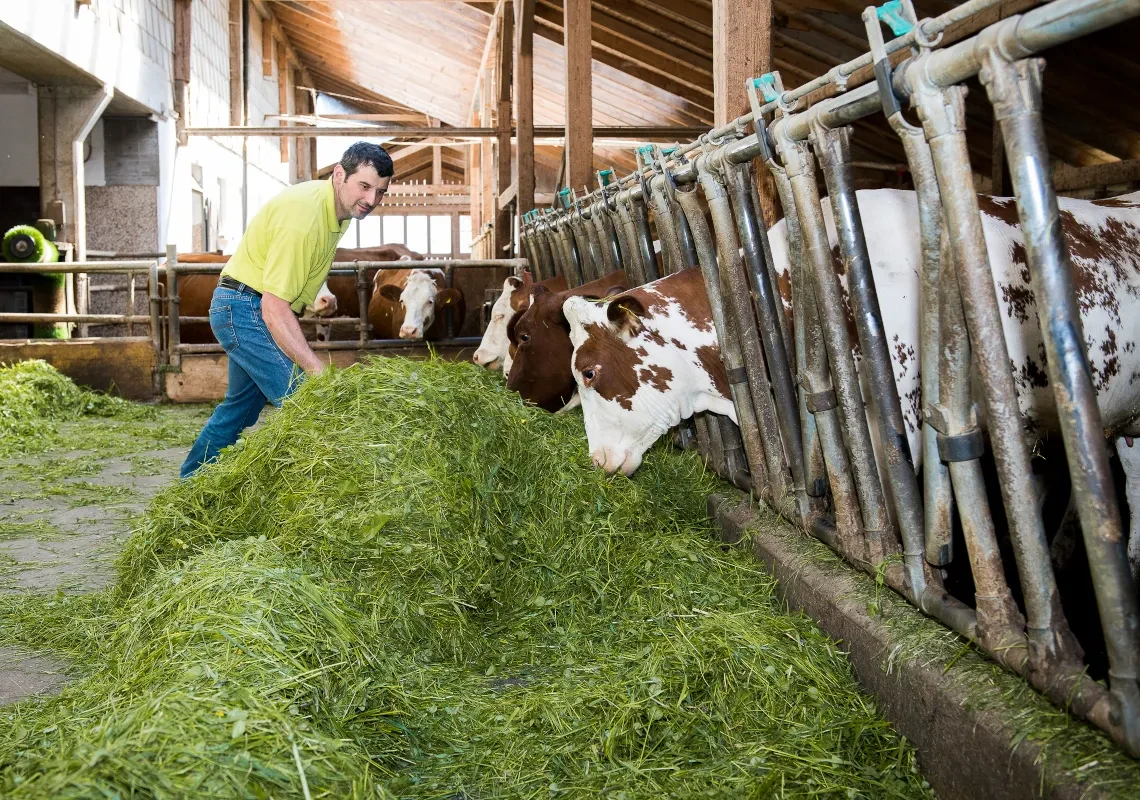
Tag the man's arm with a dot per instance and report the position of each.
(286, 331)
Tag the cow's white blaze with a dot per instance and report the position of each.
(418, 300)
(617, 435)
(494, 349)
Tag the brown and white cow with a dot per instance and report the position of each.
(494, 349)
(343, 287)
(196, 291)
(409, 303)
(628, 351)
(540, 338)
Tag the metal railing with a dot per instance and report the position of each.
(804, 430)
(363, 271)
(165, 320)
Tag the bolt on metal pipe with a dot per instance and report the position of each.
(1015, 91)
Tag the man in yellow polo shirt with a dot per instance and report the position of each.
(279, 266)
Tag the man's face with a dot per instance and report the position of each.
(359, 193)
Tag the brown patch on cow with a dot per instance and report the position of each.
(678, 344)
(1103, 376)
(1031, 374)
(904, 354)
(656, 376)
(1002, 208)
(914, 398)
(685, 288)
(709, 356)
(1019, 298)
(1100, 257)
(1107, 202)
(618, 381)
(784, 286)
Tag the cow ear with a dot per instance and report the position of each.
(537, 289)
(448, 297)
(391, 291)
(515, 283)
(610, 292)
(626, 314)
(511, 328)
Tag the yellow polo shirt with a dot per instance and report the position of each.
(288, 248)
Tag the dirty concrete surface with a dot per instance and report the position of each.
(65, 514)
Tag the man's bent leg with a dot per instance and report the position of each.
(239, 410)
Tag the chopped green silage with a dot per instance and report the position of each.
(407, 584)
(34, 399)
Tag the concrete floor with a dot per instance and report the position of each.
(65, 514)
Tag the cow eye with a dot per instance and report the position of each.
(525, 337)
(589, 374)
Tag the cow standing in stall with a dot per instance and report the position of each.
(409, 304)
(540, 339)
(195, 291)
(648, 358)
(494, 349)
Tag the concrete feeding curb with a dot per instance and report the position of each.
(964, 752)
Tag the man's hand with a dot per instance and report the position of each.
(286, 331)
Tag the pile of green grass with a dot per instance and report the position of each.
(35, 398)
(407, 584)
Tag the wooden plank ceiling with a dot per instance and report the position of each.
(653, 66)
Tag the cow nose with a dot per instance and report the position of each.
(609, 460)
(409, 332)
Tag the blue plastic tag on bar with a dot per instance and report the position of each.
(891, 13)
(766, 83)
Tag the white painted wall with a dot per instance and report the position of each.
(126, 43)
(19, 132)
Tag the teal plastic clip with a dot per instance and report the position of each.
(564, 197)
(607, 175)
(668, 151)
(766, 83)
(892, 13)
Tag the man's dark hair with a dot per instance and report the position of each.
(366, 153)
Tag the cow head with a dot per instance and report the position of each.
(493, 350)
(421, 297)
(642, 362)
(324, 305)
(540, 338)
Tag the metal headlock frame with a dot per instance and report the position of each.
(165, 325)
(800, 437)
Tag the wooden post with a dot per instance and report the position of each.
(487, 165)
(183, 18)
(436, 160)
(237, 44)
(283, 97)
(454, 234)
(266, 48)
(503, 223)
(742, 49)
(524, 102)
(579, 95)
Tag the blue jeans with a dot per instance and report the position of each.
(259, 372)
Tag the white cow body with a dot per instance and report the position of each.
(1104, 244)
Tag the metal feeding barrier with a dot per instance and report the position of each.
(165, 319)
(804, 444)
(363, 271)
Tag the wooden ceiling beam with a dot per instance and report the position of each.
(665, 62)
(700, 93)
(658, 26)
